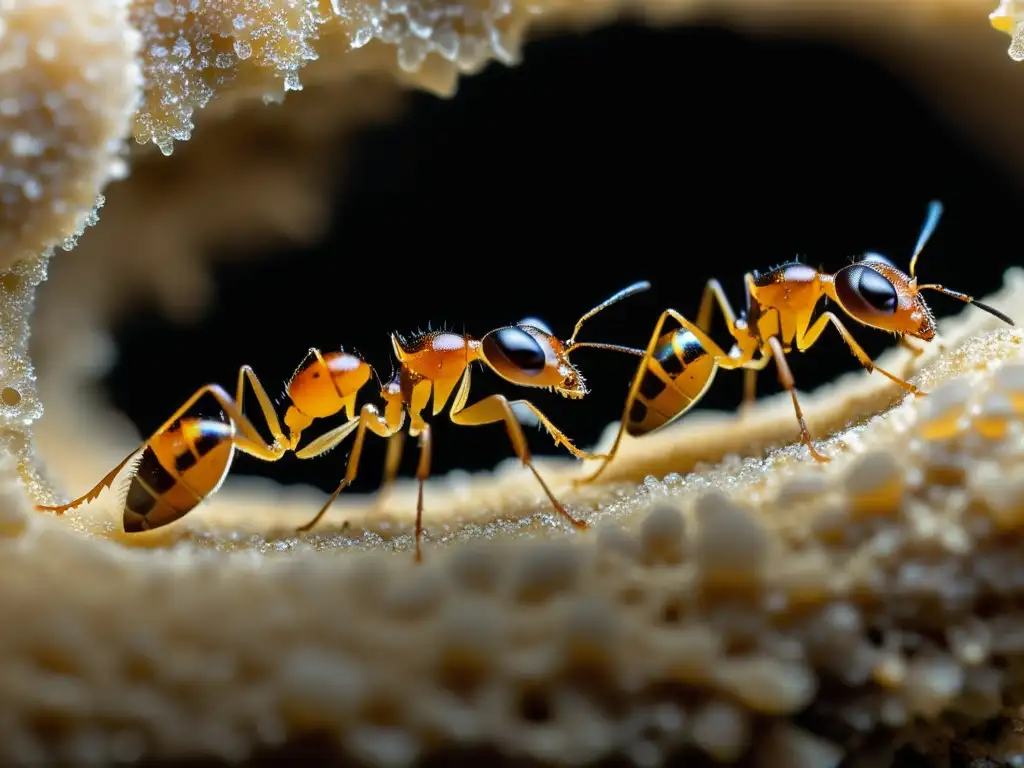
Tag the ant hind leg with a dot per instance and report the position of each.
(248, 441)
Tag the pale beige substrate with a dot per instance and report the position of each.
(661, 628)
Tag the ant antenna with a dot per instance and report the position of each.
(969, 300)
(610, 347)
(643, 285)
(930, 223)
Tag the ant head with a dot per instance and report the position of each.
(530, 355)
(878, 294)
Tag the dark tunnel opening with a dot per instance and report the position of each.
(628, 153)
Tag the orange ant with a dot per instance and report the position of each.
(678, 366)
(187, 459)
(434, 364)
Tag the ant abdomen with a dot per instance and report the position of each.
(178, 469)
(678, 373)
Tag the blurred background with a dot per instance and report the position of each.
(627, 153)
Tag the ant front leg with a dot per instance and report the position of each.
(559, 436)
(915, 353)
(369, 419)
(807, 340)
(786, 380)
(497, 408)
(915, 350)
(249, 441)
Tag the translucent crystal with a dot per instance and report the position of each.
(181, 48)
(1017, 44)
(196, 48)
(362, 36)
(411, 53)
(446, 41)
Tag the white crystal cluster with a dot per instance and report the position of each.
(1009, 18)
(466, 34)
(192, 47)
(68, 88)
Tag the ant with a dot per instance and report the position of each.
(187, 459)
(679, 366)
(435, 365)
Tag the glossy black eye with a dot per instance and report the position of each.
(875, 258)
(516, 348)
(537, 323)
(862, 289)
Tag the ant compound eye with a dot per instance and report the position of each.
(516, 348)
(536, 322)
(875, 258)
(863, 290)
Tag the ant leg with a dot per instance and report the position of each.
(713, 292)
(915, 353)
(559, 436)
(915, 350)
(368, 419)
(494, 409)
(811, 336)
(723, 360)
(391, 464)
(266, 405)
(749, 389)
(249, 441)
(422, 473)
(95, 491)
(750, 372)
(786, 379)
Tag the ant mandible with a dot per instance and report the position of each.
(186, 460)
(678, 366)
(434, 364)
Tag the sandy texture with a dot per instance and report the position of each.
(69, 85)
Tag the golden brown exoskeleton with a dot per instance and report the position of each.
(679, 365)
(434, 366)
(187, 458)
